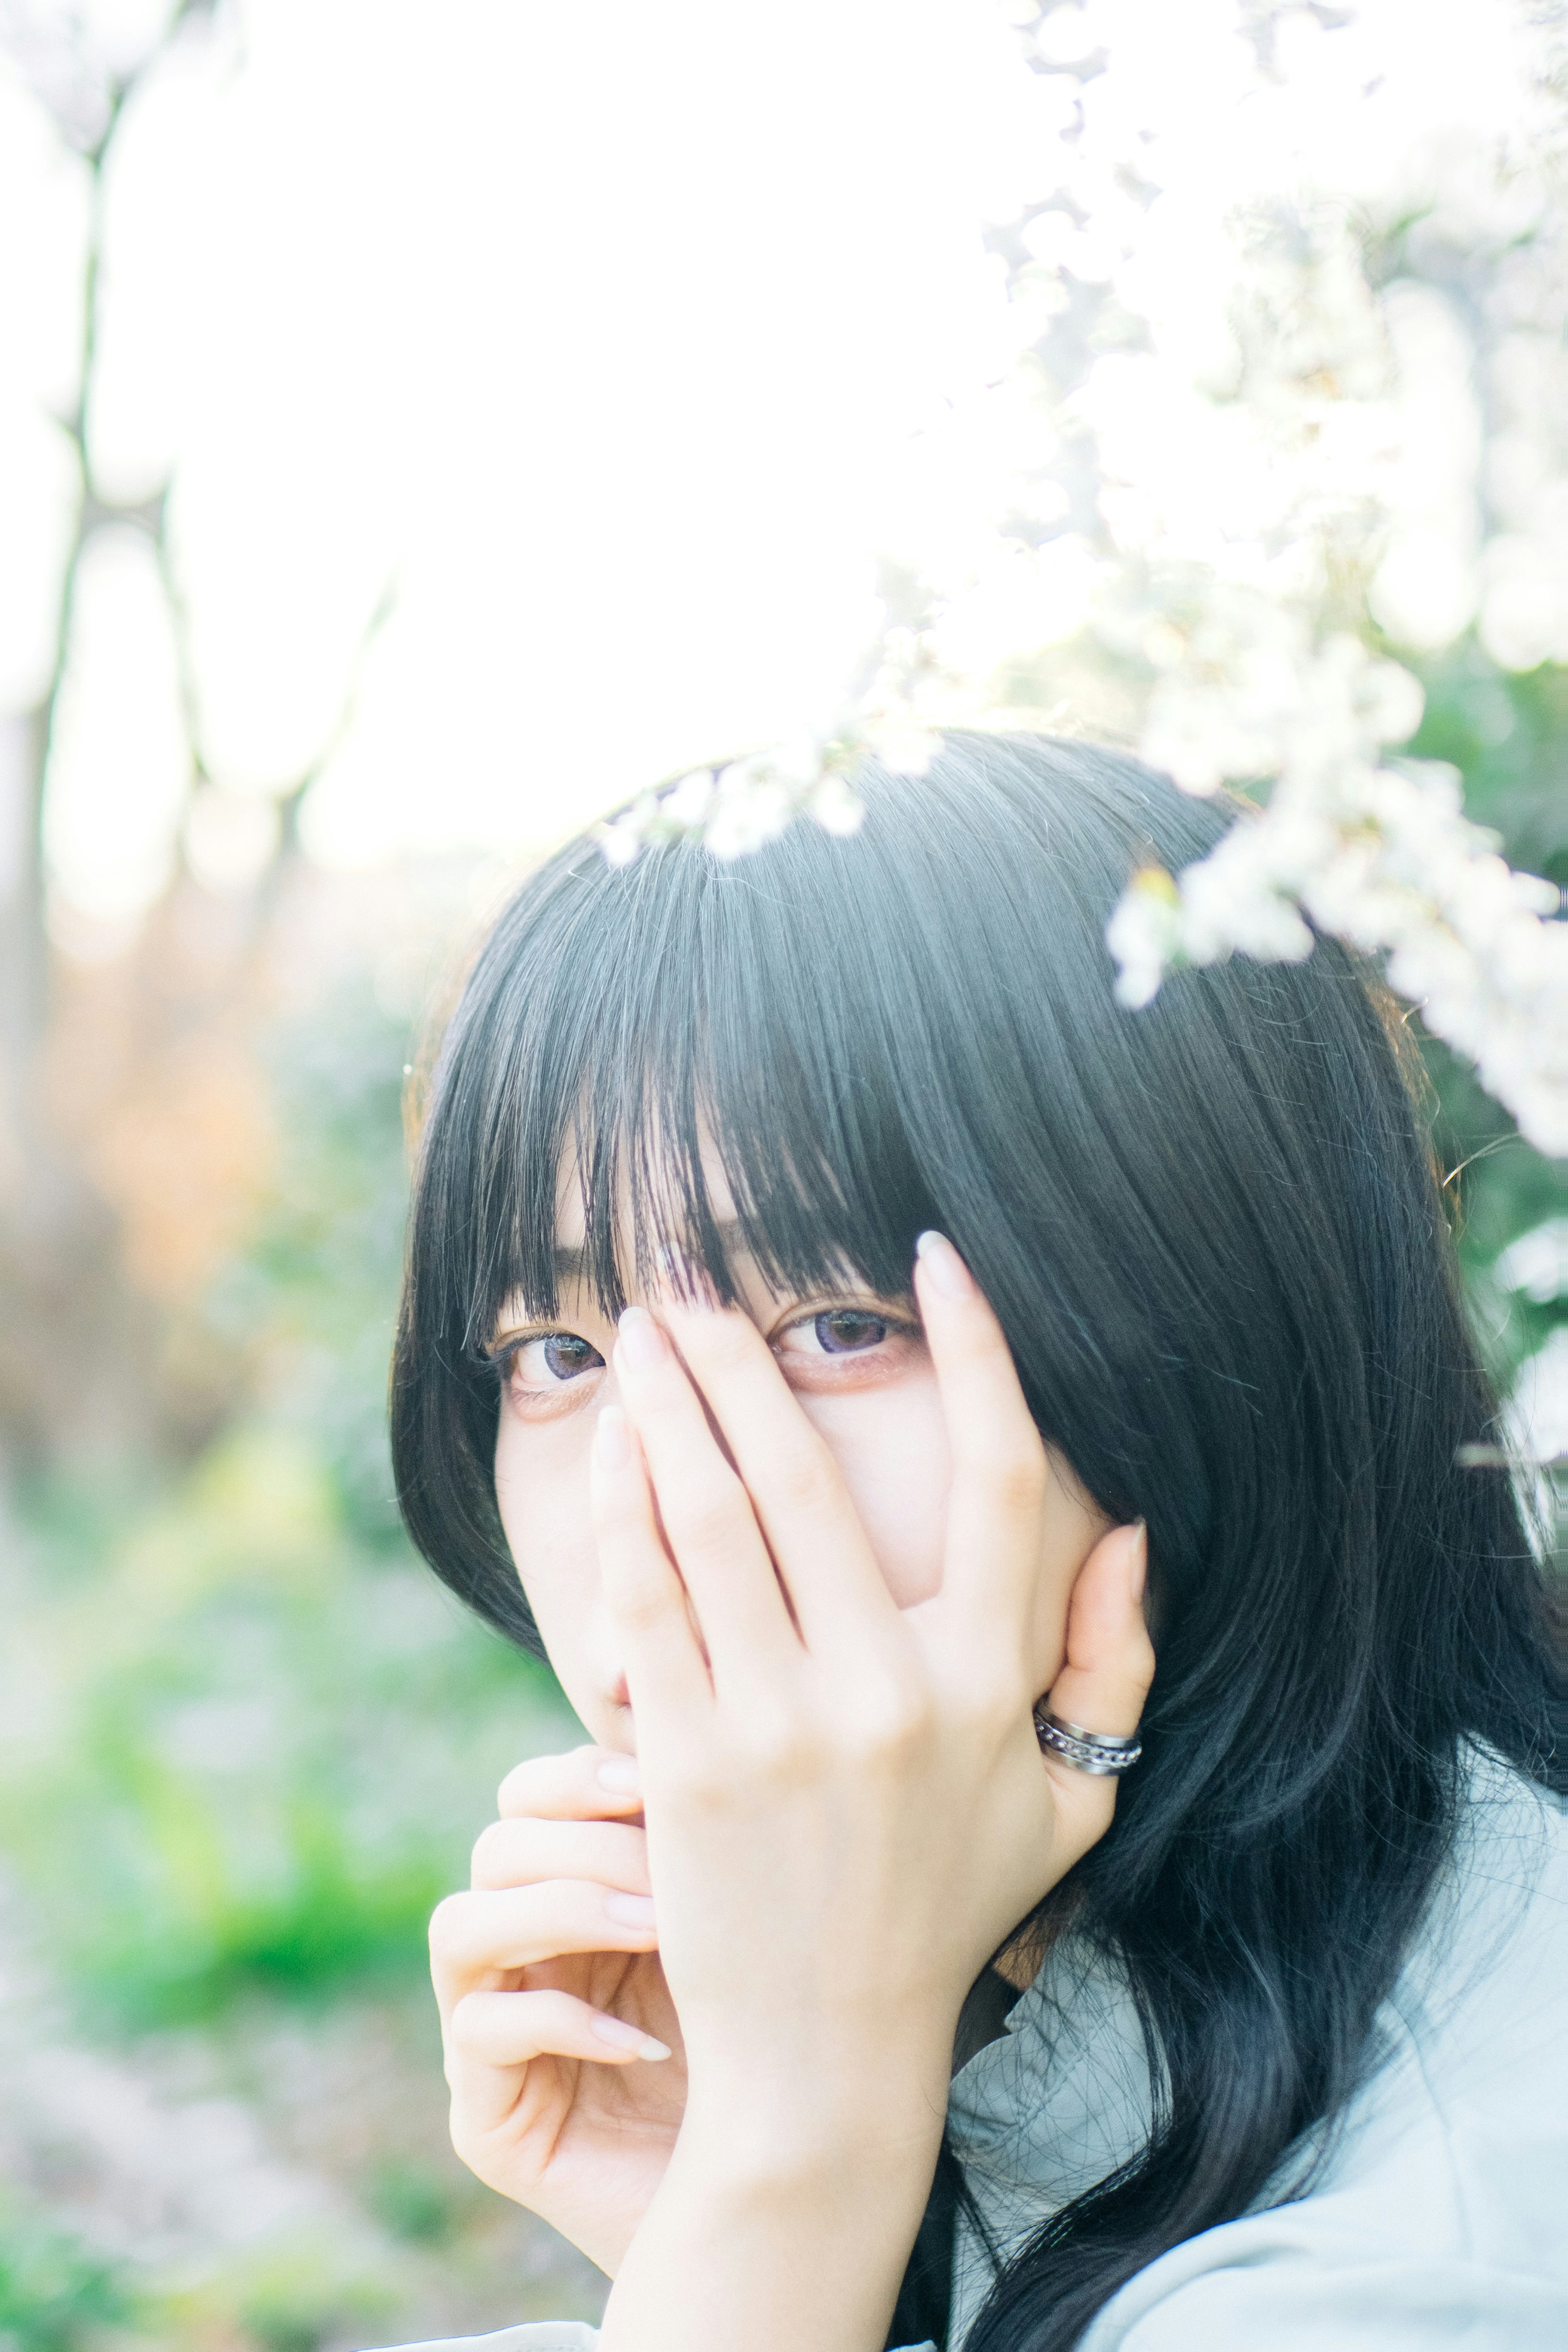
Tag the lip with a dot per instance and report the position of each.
(619, 1693)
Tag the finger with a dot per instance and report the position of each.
(579, 1786)
(706, 1513)
(493, 1932)
(797, 1492)
(523, 1853)
(1109, 1657)
(1000, 1473)
(509, 2029)
(492, 2038)
(664, 1667)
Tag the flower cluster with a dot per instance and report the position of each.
(1379, 856)
(1223, 489)
(1250, 684)
(735, 806)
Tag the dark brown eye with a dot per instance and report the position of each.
(847, 1330)
(566, 1356)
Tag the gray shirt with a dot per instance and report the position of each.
(1439, 2215)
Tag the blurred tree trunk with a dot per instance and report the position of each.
(81, 1345)
(70, 1325)
(133, 1087)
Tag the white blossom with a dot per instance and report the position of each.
(834, 806)
(738, 804)
(1380, 856)
(687, 803)
(1537, 1264)
(901, 746)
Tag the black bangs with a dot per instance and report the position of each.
(688, 1064)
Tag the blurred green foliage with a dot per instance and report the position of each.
(414, 2202)
(293, 2299)
(270, 1735)
(266, 1747)
(1508, 735)
(317, 1289)
(55, 2294)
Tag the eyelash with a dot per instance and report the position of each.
(896, 1325)
(503, 1359)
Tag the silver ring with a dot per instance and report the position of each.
(1086, 1752)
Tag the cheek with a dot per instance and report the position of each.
(541, 1490)
(890, 1445)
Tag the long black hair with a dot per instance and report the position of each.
(1214, 1236)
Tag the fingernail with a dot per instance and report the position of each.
(621, 2036)
(641, 1341)
(613, 1438)
(1138, 1561)
(622, 1775)
(950, 1277)
(631, 1910)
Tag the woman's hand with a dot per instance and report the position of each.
(848, 1809)
(553, 2004)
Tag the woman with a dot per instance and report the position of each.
(844, 1567)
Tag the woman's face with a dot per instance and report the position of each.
(858, 1366)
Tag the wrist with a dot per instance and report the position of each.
(772, 2239)
(779, 2116)
(808, 2149)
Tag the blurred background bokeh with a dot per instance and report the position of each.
(418, 429)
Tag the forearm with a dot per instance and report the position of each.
(768, 2244)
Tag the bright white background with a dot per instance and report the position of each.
(596, 329)
(620, 341)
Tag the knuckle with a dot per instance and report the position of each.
(642, 1603)
(705, 1778)
(534, 1780)
(709, 1519)
(725, 1341)
(447, 1925)
(1000, 1695)
(779, 1747)
(619, 1513)
(487, 1861)
(890, 1724)
(1017, 1473)
(798, 1478)
(992, 1681)
(463, 2027)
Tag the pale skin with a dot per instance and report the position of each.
(802, 1567)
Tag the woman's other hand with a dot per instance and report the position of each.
(562, 2049)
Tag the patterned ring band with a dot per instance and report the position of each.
(1086, 1752)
